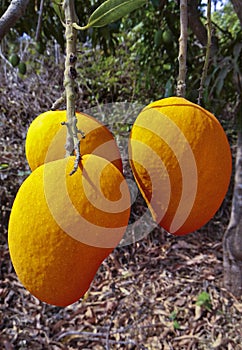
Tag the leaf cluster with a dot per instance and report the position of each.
(224, 81)
(107, 79)
(204, 300)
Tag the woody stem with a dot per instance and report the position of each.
(182, 58)
(72, 140)
(208, 49)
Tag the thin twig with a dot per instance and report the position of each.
(37, 35)
(182, 58)
(59, 102)
(208, 49)
(100, 337)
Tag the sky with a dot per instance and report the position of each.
(219, 4)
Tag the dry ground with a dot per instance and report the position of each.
(144, 295)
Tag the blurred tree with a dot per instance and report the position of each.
(15, 10)
(232, 241)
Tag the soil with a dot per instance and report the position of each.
(160, 292)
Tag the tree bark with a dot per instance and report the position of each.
(15, 10)
(198, 28)
(182, 57)
(232, 241)
(237, 4)
(40, 17)
(195, 23)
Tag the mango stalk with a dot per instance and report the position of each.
(72, 140)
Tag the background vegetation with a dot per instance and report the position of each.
(138, 53)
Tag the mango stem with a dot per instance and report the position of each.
(72, 140)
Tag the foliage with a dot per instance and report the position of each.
(109, 79)
(204, 300)
(226, 20)
(224, 81)
(89, 12)
(173, 317)
(111, 11)
(156, 58)
(155, 37)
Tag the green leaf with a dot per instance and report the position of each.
(221, 78)
(3, 166)
(112, 10)
(155, 3)
(173, 315)
(57, 6)
(176, 325)
(236, 50)
(169, 88)
(204, 300)
(203, 296)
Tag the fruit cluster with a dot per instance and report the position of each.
(62, 227)
(15, 61)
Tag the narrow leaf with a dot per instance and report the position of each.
(4, 166)
(112, 10)
(58, 9)
(237, 49)
(176, 325)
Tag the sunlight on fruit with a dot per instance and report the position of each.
(46, 138)
(62, 227)
(181, 161)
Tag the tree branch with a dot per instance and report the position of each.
(232, 241)
(15, 10)
(181, 83)
(38, 30)
(208, 51)
(198, 28)
(195, 23)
